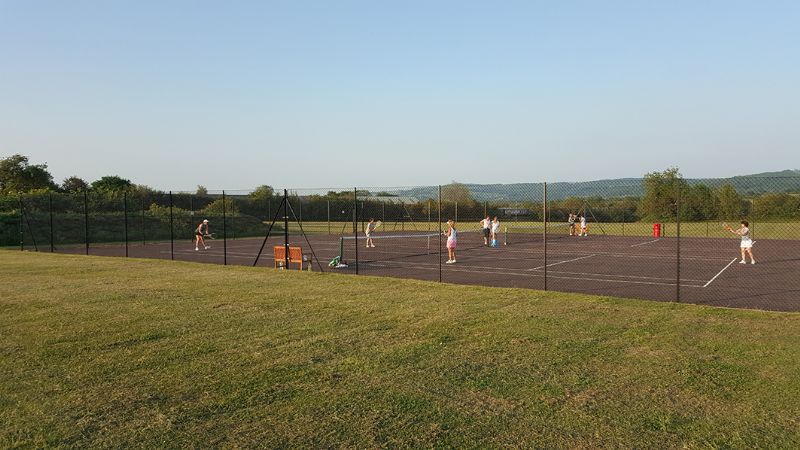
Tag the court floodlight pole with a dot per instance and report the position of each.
(224, 232)
(86, 219)
(171, 230)
(440, 233)
(355, 223)
(125, 215)
(544, 235)
(285, 229)
(50, 207)
(678, 244)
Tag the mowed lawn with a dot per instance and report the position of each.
(109, 352)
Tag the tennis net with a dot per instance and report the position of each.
(389, 246)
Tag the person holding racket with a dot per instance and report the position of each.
(370, 229)
(452, 241)
(746, 246)
(199, 234)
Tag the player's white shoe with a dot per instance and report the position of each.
(742, 262)
(207, 247)
(752, 261)
(196, 249)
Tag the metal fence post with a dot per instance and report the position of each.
(285, 229)
(171, 230)
(86, 220)
(52, 232)
(329, 215)
(678, 244)
(144, 234)
(125, 214)
(21, 229)
(544, 235)
(224, 232)
(440, 233)
(456, 218)
(355, 223)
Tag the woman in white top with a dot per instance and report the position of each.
(495, 231)
(452, 241)
(747, 241)
(584, 229)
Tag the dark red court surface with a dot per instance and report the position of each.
(633, 267)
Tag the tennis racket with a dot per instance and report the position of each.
(210, 236)
(378, 224)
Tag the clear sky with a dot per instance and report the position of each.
(296, 93)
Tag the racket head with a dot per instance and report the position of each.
(378, 224)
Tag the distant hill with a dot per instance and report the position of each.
(783, 181)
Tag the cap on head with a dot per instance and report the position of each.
(205, 220)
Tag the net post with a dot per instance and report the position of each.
(125, 216)
(440, 233)
(678, 243)
(171, 230)
(544, 234)
(50, 208)
(224, 232)
(86, 219)
(285, 229)
(355, 223)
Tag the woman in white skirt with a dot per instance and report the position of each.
(747, 241)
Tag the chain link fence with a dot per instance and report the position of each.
(666, 239)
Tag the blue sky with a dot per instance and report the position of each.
(316, 94)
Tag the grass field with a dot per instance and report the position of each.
(113, 352)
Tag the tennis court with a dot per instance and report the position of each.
(632, 267)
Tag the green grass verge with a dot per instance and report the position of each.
(109, 352)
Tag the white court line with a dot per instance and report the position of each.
(562, 262)
(720, 272)
(518, 272)
(541, 275)
(645, 243)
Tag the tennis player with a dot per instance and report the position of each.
(452, 241)
(199, 233)
(487, 229)
(571, 223)
(495, 231)
(747, 241)
(584, 229)
(370, 229)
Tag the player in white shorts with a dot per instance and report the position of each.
(746, 246)
(584, 230)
